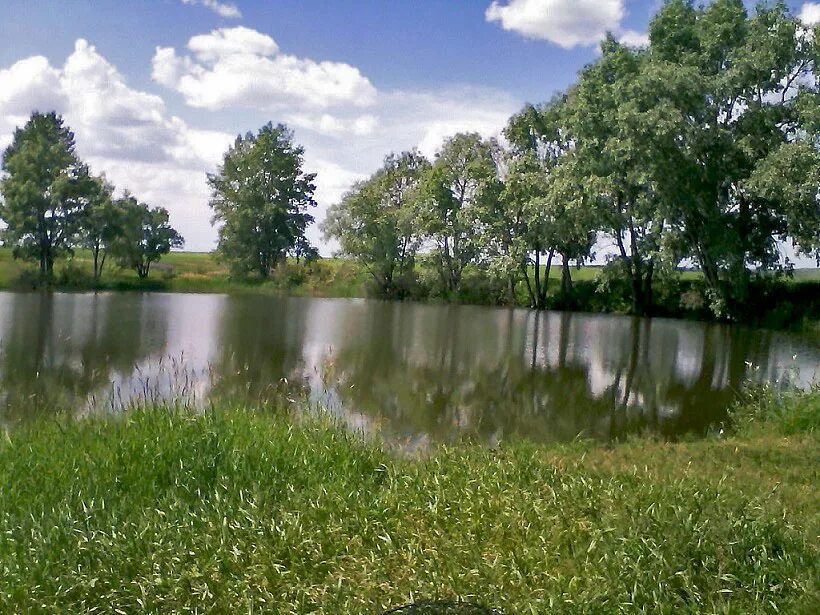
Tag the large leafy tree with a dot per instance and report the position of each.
(609, 117)
(145, 235)
(375, 221)
(261, 197)
(572, 222)
(739, 90)
(545, 197)
(44, 191)
(450, 200)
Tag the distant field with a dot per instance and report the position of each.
(187, 270)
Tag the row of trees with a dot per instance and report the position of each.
(702, 148)
(52, 205)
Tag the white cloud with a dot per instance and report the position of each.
(231, 41)
(810, 13)
(567, 23)
(331, 125)
(120, 131)
(224, 9)
(239, 67)
(631, 38)
(130, 136)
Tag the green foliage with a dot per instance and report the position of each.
(787, 411)
(145, 235)
(735, 94)
(376, 224)
(702, 148)
(261, 197)
(162, 510)
(451, 198)
(102, 223)
(43, 191)
(51, 205)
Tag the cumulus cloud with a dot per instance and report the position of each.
(223, 9)
(240, 67)
(567, 23)
(130, 135)
(123, 132)
(810, 13)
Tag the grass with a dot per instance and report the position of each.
(233, 510)
(190, 272)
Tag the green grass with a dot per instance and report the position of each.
(163, 510)
(191, 272)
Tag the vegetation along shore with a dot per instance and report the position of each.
(231, 510)
(782, 303)
(698, 151)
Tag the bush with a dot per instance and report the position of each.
(71, 275)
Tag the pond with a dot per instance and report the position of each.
(412, 374)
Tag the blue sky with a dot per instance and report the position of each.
(156, 89)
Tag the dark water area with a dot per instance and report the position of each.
(412, 374)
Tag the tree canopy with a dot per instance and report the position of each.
(43, 190)
(261, 197)
(52, 204)
(702, 148)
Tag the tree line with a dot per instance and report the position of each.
(702, 148)
(52, 204)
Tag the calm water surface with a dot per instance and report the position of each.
(413, 374)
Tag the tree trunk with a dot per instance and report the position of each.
(566, 277)
(543, 297)
(511, 289)
(96, 252)
(530, 291)
(648, 294)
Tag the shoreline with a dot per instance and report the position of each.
(790, 304)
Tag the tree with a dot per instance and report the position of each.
(569, 208)
(376, 224)
(43, 191)
(609, 117)
(145, 236)
(449, 201)
(739, 90)
(261, 197)
(546, 211)
(101, 223)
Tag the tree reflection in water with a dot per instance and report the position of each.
(61, 352)
(411, 373)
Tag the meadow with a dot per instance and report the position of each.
(161, 509)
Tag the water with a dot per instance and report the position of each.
(413, 374)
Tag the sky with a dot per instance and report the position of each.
(157, 90)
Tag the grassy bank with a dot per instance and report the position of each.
(778, 304)
(238, 511)
(189, 272)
